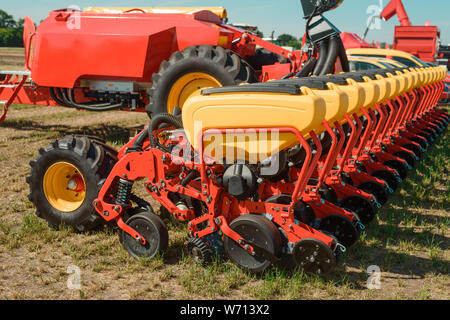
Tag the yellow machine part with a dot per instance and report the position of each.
(395, 85)
(251, 110)
(219, 11)
(336, 98)
(384, 86)
(412, 79)
(441, 73)
(356, 97)
(403, 82)
(372, 93)
(64, 187)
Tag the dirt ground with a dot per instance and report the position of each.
(409, 241)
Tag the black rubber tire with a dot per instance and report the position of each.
(414, 148)
(269, 238)
(264, 57)
(152, 228)
(340, 227)
(361, 206)
(389, 177)
(400, 167)
(94, 160)
(407, 156)
(376, 189)
(420, 140)
(224, 65)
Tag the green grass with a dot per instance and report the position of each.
(409, 240)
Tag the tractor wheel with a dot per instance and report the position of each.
(66, 177)
(193, 69)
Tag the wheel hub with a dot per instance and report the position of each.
(64, 187)
(314, 256)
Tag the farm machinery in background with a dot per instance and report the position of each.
(295, 169)
(421, 41)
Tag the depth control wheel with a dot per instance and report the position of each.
(390, 178)
(408, 157)
(422, 141)
(361, 206)
(379, 191)
(414, 148)
(152, 228)
(341, 227)
(314, 256)
(255, 230)
(400, 167)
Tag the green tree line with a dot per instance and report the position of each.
(11, 31)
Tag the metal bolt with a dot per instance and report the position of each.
(105, 213)
(95, 203)
(217, 221)
(117, 208)
(246, 247)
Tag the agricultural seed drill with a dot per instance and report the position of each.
(291, 169)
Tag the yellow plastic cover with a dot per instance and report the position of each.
(219, 11)
(336, 98)
(251, 110)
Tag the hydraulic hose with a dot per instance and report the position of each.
(323, 52)
(307, 68)
(55, 97)
(91, 106)
(65, 97)
(343, 56)
(162, 118)
(333, 50)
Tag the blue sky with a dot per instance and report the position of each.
(282, 16)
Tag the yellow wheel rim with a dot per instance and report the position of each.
(64, 187)
(188, 86)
